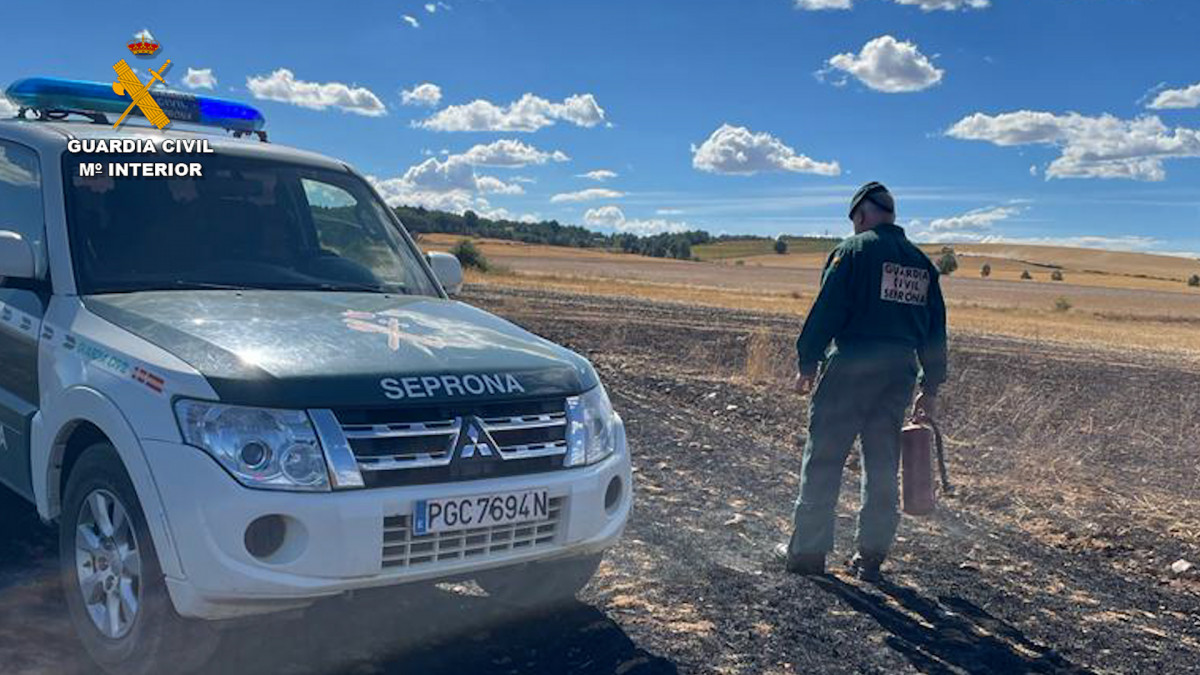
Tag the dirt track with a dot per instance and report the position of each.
(1077, 478)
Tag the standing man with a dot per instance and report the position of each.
(881, 305)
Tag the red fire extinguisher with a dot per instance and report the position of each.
(919, 438)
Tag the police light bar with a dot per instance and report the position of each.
(56, 94)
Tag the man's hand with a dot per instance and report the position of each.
(804, 383)
(925, 407)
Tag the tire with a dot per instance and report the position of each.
(124, 618)
(540, 585)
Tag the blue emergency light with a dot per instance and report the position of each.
(51, 94)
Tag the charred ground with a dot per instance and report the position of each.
(1077, 475)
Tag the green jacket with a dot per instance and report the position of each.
(878, 291)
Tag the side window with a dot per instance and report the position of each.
(21, 197)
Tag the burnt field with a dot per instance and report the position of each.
(1077, 476)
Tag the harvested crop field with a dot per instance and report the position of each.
(1110, 307)
(1077, 478)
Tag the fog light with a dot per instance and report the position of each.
(264, 536)
(612, 496)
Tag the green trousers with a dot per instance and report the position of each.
(862, 393)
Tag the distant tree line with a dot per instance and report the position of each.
(550, 232)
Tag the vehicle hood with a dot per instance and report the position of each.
(300, 349)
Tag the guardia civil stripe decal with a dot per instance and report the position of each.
(21, 322)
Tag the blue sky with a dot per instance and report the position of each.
(1074, 121)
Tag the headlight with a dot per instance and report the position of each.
(261, 447)
(591, 427)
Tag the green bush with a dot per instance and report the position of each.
(1194, 281)
(1062, 304)
(469, 255)
(1026, 275)
(780, 245)
(1056, 275)
(948, 262)
(985, 271)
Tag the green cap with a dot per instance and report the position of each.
(877, 194)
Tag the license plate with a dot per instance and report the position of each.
(431, 516)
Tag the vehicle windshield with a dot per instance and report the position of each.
(247, 223)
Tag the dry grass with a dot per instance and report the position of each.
(768, 357)
(1153, 273)
(1165, 334)
(1109, 307)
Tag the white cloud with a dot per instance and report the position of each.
(200, 78)
(612, 217)
(925, 5)
(589, 195)
(283, 86)
(7, 107)
(1091, 147)
(411, 20)
(529, 113)
(505, 214)
(427, 94)
(455, 173)
(979, 220)
(433, 7)
(442, 176)
(977, 227)
(491, 184)
(824, 4)
(1188, 97)
(1117, 243)
(510, 153)
(946, 5)
(398, 192)
(737, 150)
(668, 212)
(452, 184)
(888, 65)
(604, 216)
(599, 175)
(652, 226)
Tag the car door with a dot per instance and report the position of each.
(22, 306)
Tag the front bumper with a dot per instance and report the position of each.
(335, 540)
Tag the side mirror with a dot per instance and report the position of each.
(16, 256)
(446, 268)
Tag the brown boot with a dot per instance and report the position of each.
(808, 564)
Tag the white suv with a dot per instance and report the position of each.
(243, 392)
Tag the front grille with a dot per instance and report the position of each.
(403, 549)
(414, 446)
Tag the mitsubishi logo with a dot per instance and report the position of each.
(476, 440)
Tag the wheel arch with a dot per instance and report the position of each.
(87, 416)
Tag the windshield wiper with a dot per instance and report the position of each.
(181, 284)
(331, 286)
(351, 286)
(208, 285)
(174, 285)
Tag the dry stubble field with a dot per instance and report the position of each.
(1125, 301)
